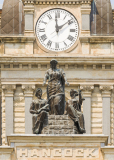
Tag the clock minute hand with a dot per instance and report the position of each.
(60, 27)
(56, 26)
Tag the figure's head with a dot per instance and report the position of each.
(38, 93)
(73, 93)
(53, 63)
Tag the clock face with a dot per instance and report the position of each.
(57, 30)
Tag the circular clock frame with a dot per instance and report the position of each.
(75, 41)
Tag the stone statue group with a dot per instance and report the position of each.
(55, 103)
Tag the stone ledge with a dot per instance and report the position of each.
(97, 39)
(72, 138)
(17, 39)
(108, 149)
(6, 149)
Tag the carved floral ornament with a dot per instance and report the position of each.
(87, 87)
(28, 88)
(106, 87)
(57, 2)
(9, 87)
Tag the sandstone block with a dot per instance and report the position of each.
(58, 124)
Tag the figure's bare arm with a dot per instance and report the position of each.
(66, 109)
(64, 76)
(45, 78)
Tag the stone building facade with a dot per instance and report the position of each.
(88, 64)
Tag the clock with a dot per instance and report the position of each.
(57, 30)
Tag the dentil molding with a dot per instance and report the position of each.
(57, 2)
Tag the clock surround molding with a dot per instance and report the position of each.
(77, 15)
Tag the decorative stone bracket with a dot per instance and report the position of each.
(106, 90)
(28, 90)
(87, 90)
(9, 89)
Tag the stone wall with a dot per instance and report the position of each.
(19, 111)
(96, 110)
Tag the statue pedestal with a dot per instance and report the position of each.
(57, 147)
(58, 124)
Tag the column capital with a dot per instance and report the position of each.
(86, 9)
(87, 90)
(29, 9)
(8, 89)
(106, 90)
(28, 90)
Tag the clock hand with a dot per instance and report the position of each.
(53, 32)
(56, 26)
(60, 27)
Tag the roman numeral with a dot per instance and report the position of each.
(56, 45)
(49, 16)
(72, 30)
(42, 30)
(44, 22)
(49, 43)
(57, 14)
(64, 43)
(44, 37)
(70, 38)
(64, 17)
(70, 22)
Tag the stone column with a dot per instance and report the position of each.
(9, 93)
(28, 93)
(29, 18)
(106, 95)
(85, 12)
(87, 91)
(85, 29)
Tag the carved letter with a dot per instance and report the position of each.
(57, 152)
(79, 152)
(25, 152)
(34, 152)
(46, 152)
(68, 153)
(89, 152)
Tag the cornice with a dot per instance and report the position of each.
(97, 39)
(6, 149)
(57, 2)
(108, 149)
(17, 38)
(83, 39)
(61, 60)
(72, 138)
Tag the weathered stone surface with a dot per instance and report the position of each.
(83, 147)
(58, 124)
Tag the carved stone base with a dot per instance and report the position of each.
(58, 124)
